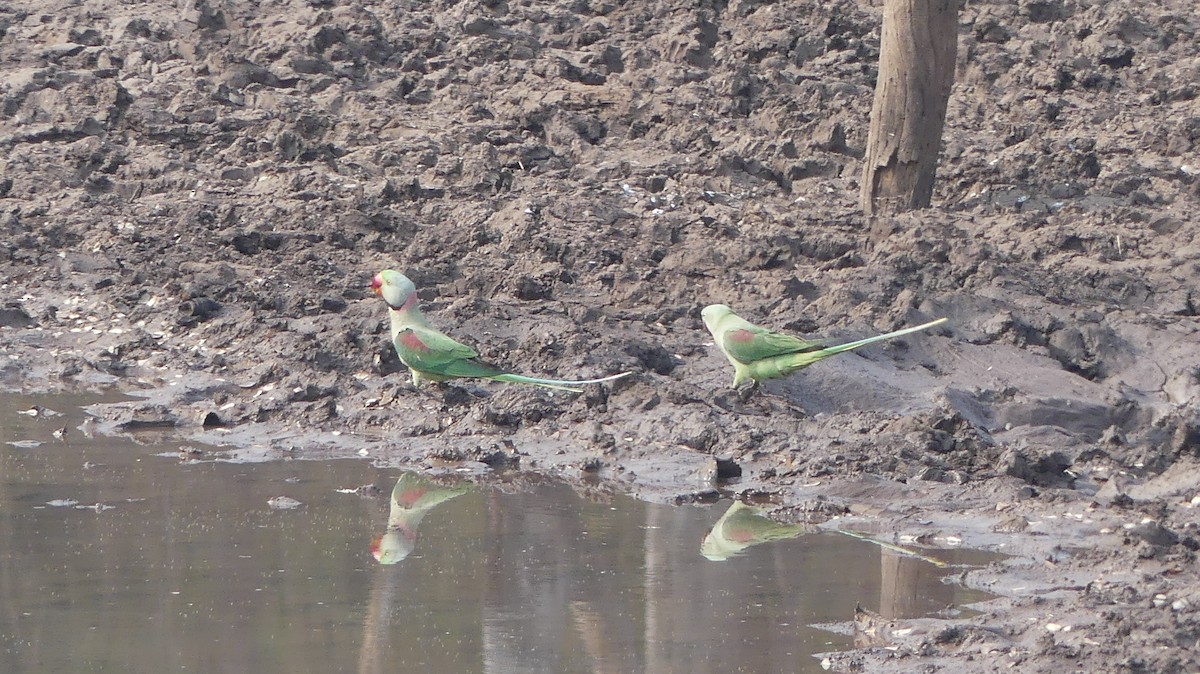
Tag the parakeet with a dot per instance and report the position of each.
(757, 354)
(743, 526)
(433, 356)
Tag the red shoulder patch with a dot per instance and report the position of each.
(739, 535)
(410, 340)
(741, 336)
(408, 498)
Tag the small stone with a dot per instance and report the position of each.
(332, 305)
(198, 309)
(998, 324)
(283, 503)
(930, 474)
(1012, 525)
(723, 469)
(957, 477)
(15, 317)
(1154, 534)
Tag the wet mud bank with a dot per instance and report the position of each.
(193, 203)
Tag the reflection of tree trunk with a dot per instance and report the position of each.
(597, 638)
(378, 621)
(656, 571)
(525, 612)
(10, 573)
(916, 70)
(494, 583)
(899, 585)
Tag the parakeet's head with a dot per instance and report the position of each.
(395, 289)
(394, 546)
(714, 313)
(717, 548)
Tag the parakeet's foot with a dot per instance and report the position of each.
(745, 393)
(731, 401)
(454, 395)
(430, 394)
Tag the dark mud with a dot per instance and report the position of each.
(192, 202)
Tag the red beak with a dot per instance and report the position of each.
(377, 285)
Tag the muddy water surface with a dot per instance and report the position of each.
(119, 557)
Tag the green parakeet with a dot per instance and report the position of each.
(758, 354)
(743, 526)
(433, 356)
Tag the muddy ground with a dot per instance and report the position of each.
(195, 195)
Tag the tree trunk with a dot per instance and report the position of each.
(916, 70)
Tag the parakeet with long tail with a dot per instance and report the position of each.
(433, 356)
(758, 354)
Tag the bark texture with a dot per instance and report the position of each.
(916, 71)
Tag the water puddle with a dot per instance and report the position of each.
(119, 557)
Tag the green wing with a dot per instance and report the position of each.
(747, 343)
(428, 350)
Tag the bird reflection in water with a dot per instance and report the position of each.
(744, 526)
(412, 498)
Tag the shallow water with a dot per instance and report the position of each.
(150, 563)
